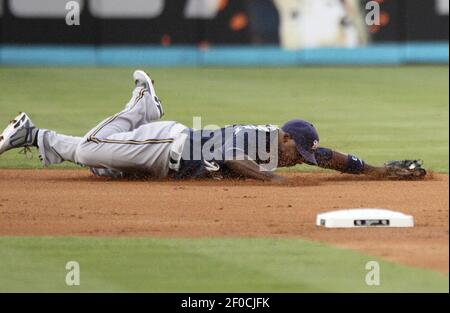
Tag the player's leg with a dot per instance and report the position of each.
(56, 148)
(53, 148)
(143, 107)
(145, 149)
(131, 139)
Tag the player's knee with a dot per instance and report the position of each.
(83, 154)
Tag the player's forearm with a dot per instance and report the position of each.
(345, 163)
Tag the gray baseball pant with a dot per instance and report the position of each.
(128, 141)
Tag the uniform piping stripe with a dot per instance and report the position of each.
(126, 142)
(133, 142)
(92, 136)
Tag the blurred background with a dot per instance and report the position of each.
(223, 32)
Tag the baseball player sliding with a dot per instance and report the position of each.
(136, 143)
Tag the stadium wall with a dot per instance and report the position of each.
(230, 33)
(191, 56)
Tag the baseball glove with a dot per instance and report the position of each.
(405, 169)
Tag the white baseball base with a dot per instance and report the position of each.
(364, 218)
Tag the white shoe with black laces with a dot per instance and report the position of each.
(141, 78)
(20, 133)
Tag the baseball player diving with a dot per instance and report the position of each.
(136, 143)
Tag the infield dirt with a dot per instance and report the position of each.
(75, 203)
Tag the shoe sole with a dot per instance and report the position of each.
(143, 75)
(140, 74)
(17, 122)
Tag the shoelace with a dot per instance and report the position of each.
(27, 152)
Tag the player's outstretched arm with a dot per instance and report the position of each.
(250, 169)
(344, 163)
(347, 163)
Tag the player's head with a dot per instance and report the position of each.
(298, 141)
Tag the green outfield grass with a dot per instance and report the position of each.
(377, 113)
(210, 265)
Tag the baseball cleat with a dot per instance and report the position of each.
(19, 133)
(141, 78)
